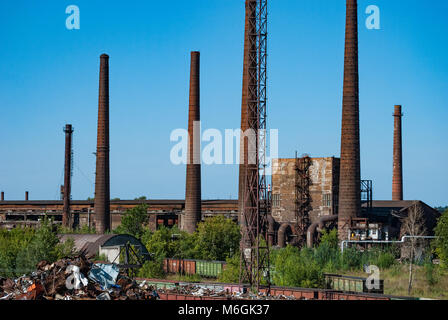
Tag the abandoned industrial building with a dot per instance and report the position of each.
(304, 196)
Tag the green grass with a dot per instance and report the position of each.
(424, 286)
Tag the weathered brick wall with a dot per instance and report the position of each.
(324, 174)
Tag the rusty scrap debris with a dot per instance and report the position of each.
(72, 279)
(80, 279)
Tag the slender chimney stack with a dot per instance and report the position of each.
(350, 172)
(102, 184)
(193, 181)
(26, 195)
(3, 196)
(66, 218)
(397, 181)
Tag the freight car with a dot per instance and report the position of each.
(206, 269)
(351, 284)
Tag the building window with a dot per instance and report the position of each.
(276, 200)
(326, 200)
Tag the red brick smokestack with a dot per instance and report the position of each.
(248, 114)
(3, 196)
(27, 195)
(397, 181)
(350, 173)
(193, 182)
(67, 175)
(102, 184)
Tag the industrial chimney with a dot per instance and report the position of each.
(247, 169)
(3, 196)
(397, 181)
(350, 172)
(102, 184)
(27, 194)
(193, 182)
(66, 219)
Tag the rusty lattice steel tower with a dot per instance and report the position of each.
(302, 197)
(102, 180)
(253, 194)
(350, 174)
(193, 181)
(397, 181)
(66, 216)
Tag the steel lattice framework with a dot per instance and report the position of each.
(254, 246)
(303, 196)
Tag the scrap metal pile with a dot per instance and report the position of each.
(79, 279)
(75, 279)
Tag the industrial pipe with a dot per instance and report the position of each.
(344, 242)
(282, 234)
(271, 230)
(320, 224)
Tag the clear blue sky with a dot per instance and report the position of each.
(49, 77)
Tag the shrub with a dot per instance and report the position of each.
(296, 268)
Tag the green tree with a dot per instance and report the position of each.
(44, 246)
(441, 243)
(217, 238)
(133, 221)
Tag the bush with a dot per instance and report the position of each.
(44, 245)
(231, 273)
(296, 268)
(152, 270)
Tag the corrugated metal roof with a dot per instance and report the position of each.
(90, 244)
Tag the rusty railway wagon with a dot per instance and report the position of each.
(206, 269)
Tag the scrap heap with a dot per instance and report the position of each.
(80, 279)
(75, 279)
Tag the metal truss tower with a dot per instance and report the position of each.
(254, 199)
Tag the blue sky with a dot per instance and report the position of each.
(49, 77)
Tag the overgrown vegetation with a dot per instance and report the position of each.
(441, 244)
(22, 248)
(216, 239)
(133, 221)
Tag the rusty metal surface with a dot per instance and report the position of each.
(68, 130)
(350, 172)
(193, 180)
(252, 193)
(102, 180)
(397, 180)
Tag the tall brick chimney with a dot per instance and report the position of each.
(193, 182)
(248, 114)
(3, 196)
(102, 180)
(397, 181)
(350, 173)
(68, 130)
(27, 195)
